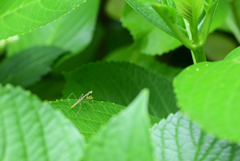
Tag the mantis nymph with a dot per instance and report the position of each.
(80, 99)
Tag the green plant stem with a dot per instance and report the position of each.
(198, 55)
(207, 23)
(177, 32)
(194, 30)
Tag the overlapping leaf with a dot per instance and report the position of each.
(91, 116)
(125, 137)
(147, 37)
(28, 66)
(144, 8)
(21, 16)
(119, 83)
(178, 138)
(132, 55)
(32, 130)
(72, 32)
(209, 94)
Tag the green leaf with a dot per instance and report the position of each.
(164, 10)
(32, 130)
(92, 115)
(209, 94)
(28, 66)
(111, 82)
(114, 8)
(178, 138)
(220, 15)
(147, 37)
(152, 16)
(234, 55)
(190, 9)
(126, 136)
(18, 17)
(132, 55)
(72, 32)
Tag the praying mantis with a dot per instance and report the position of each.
(79, 100)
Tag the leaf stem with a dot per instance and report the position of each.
(177, 32)
(198, 55)
(207, 23)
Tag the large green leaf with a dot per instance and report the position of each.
(143, 7)
(147, 37)
(92, 114)
(71, 32)
(119, 83)
(126, 136)
(28, 66)
(32, 130)
(209, 93)
(21, 16)
(179, 139)
(132, 55)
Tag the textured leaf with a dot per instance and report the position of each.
(190, 9)
(28, 66)
(177, 138)
(119, 83)
(147, 37)
(144, 8)
(71, 32)
(32, 130)
(92, 115)
(209, 94)
(126, 137)
(21, 16)
(134, 56)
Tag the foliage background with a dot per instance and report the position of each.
(107, 47)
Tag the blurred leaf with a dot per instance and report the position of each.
(32, 130)
(218, 45)
(178, 138)
(114, 8)
(209, 94)
(54, 85)
(119, 83)
(91, 53)
(147, 37)
(92, 115)
(220, 14)
(165, 10)
(234, 55)
(21, 16)
(71, 32)
(143, 7)
(131, 55)
(232, 22)
(126, 136)
(28, 66)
